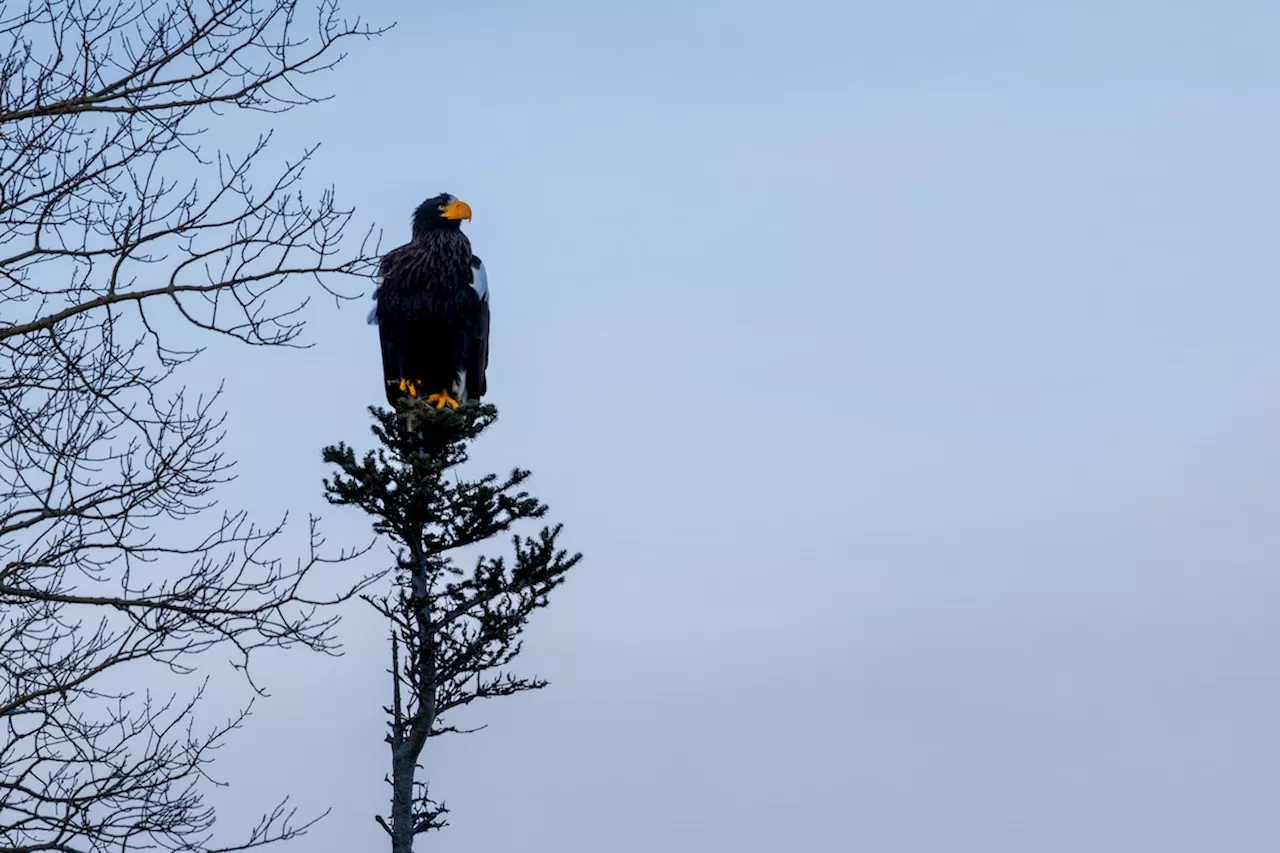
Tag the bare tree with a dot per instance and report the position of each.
(454, 632)
(122, 241)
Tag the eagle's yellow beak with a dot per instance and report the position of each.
(457, 210)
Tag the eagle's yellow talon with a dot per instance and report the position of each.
(443, 399)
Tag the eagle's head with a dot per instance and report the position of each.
(443, 211)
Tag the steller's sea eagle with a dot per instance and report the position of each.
(431, 308)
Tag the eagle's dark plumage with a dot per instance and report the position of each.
(432, 310)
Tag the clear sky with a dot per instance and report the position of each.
(908, 374)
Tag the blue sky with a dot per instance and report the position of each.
(907, 374)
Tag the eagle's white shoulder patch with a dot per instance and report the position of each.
(480, 280)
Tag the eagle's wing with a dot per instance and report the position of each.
(479, 356)
(391, 334)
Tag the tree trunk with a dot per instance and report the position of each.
(411, 734)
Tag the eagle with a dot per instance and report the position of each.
(431, 308)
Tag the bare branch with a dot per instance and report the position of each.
(121, 242)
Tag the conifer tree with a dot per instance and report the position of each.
(454, 632)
